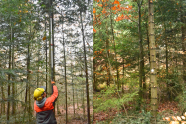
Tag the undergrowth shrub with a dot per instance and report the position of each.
(134, 118)
(109, 99)
(174, 84)
(140, 118)
(133, 81)
(18, 119)
(181, 98)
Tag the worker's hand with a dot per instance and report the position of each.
(52, 82)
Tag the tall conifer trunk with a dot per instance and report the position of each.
(65, 71)
(123, 75)
(28, 98)
(141, 58)
(72, 74)
(117, 71)
(13, 77)
(50, 46)
(3, 96)
(46, 56)
(183, 39)
(9, 76)
(149, 89)
(86, 71)
(28, 81)
(153, 80)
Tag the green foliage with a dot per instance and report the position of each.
(172, 79)
(135, 118)
(17, 119)
(140, 118)
(182, 98)
(133, 81)
(24, 38)
(108, 99)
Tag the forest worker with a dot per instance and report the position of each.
(44, 106)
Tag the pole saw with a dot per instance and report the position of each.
(51, 45)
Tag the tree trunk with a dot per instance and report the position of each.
(73, 87)
(46, 78)
(107, 64)
(77, 97)
(183, 39)
(2, 89)
(50, 48)
(149, 89)
(38, 65)
(117, 71)
(83, 102)
(86, 71)
(153, 80)
(3, 96)
(166, 56)
(28, 82)
(9, 67)
(94, 77)
(65, 72)
(13, 79)
(141, 58)
(123, 75)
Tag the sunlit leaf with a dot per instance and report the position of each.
(94, 30)
(94, 10)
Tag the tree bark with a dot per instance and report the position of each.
(73, 87)
(141, 58)
(107, 64)
(123, 75)
(183, 39)
(65, 72)
(86, 71)
(153, 80)
(46, 57)
(13, 78)
(50, 47)
(9, 76)
(117, 71)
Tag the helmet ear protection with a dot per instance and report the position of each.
(39, 98)
(38, 94)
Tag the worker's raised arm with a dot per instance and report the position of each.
(55, 93)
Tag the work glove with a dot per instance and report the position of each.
(52, 82)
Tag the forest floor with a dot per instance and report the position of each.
(166, 109)
(78, 118)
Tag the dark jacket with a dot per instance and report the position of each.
(44, 109)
